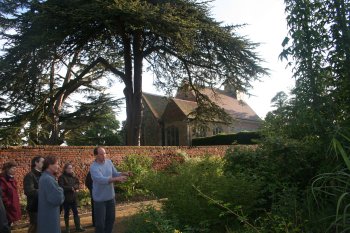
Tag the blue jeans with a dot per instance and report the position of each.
(68, 206)
(104, 212)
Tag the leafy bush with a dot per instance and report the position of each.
(277, 162)
(83, 197)
(274, 223)
(244, 138)
(151, 220)
(285, 168)
(206, 174)
(330, 191)
(23, 204)
(140, 165)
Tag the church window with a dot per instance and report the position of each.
(172, 134)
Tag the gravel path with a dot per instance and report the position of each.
(123, 212)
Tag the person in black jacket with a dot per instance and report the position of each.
(4, 224)
(70, 184)
(88, 184)
(31, 188)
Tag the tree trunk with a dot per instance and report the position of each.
(56, 107)
(137, 100)
(128, 90)
(55, 112)
(54, 117)
(133, 87)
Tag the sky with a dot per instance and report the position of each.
(266, 25)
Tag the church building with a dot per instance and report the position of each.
(168, 122)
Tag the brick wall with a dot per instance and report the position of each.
(81, 157)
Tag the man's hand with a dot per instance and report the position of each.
(120, 179)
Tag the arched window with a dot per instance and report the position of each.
(199, 131)
(217, 130)
(172, 136)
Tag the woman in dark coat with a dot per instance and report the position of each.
(10, 195)
(50, 198)
(4, 225)
(70, 184)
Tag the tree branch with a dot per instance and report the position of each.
(70, 85)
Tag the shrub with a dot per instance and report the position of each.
(140, 165)
(83, 197)
(151, 220)
(285, 168)
(277, 162)
(23, 204)
(244, 138)
(330, 191)
(186, 205)
(273, 223)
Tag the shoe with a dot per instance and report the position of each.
(66, 223)
(78, 227)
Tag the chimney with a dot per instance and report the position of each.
(230, 90)
(184, 92)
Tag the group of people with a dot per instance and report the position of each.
(48, 194)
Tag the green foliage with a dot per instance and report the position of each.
(185, 204)
(34, 126)
(141, 166)
(152, 220)
(180, 40)
(23, 203)
(277, 160)
(318, 45)
(272, 223)
(83, 197)
(285, 168)
(243, 138)
(103, 131)
(330, 190)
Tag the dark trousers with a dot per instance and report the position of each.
(92, 209)
(5, 229)
(67, 206)
(33, 220)
(104, 216)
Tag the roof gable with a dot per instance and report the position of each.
(156, 103)
(234, 107)
(176, 111)
(237, 109)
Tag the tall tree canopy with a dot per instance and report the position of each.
(102, 131)
(318, 47)
(176, 39)
(318, 113)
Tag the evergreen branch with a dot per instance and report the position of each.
(226, 208)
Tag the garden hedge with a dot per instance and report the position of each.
(243, 138)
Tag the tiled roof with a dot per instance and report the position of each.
(186, 106)
(156, 103)
(236, 108)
